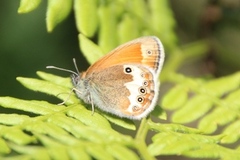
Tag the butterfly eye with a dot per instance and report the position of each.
(128, 70)
(142, 90)
(140, 99)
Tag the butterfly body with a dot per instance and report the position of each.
(125, 81)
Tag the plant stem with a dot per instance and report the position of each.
(140, 140)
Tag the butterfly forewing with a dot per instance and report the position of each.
(145, 51)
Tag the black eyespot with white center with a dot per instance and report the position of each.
(128, 70)
(142, 90)
(140, 99)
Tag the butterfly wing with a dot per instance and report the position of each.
(125, 81)
(125, 90)
(147, 51)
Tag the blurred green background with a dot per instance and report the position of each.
(26, 47)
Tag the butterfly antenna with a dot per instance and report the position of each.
(75, 64)
(62, 69)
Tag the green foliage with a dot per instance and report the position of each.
(77, 133)
(57, 11)
(41, 130)
(28, 5)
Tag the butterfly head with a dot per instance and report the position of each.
(81, 87)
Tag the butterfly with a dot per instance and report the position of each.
(124, 82)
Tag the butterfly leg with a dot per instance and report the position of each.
(90, 100)
(62, 103)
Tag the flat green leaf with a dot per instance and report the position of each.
(175, 98)
(91, 51)
(33, 151)
(4, 149)
(69, 124)
(231, 133)
(107, 34)
(57, 11)
(233, 99)
(162, 22)
(28, 5)
(125, 123)
(159, 112)
(40, 127)
(16, 135)
(37, 107)
(214, 152)
(222, 85)
(86, 16)
(60, 92)
(123, 29)
(219, 117)
(196, 107)
(86, 117)
(13, 119)
(62, 81)
(121, 152)
(59, 153)
(78, 152)
(172, 143)
(140, 10)
(172, 128)
(98, 152)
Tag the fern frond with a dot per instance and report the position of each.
(48, 131)
(212, 104)
(73, 129)
(63, 129)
